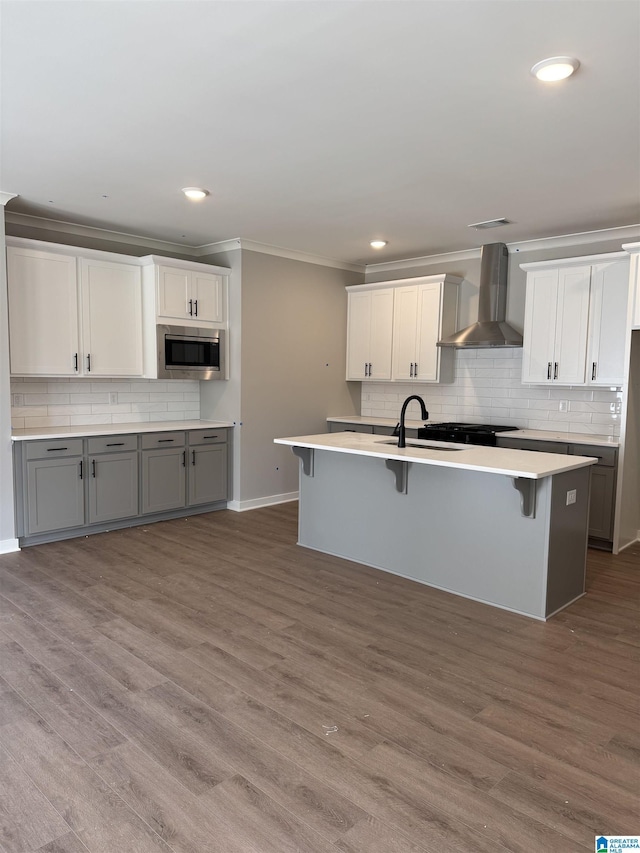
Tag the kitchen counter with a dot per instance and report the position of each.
(535, 434)
(83, 431)
(502, 526)
(490, 460)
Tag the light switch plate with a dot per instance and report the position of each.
(113, 398)
(17, 400)
(571, 496)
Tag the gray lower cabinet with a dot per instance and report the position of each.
(207, 474)
(84, 485)
(55, 490)
(113, 486)
(163, 480)
(603, 479)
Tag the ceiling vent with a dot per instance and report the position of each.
(489, 223)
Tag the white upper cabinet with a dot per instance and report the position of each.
(423, 314)
(43, 313)
(575, 320)
(71, 316)
(111, 298)
(369, 331)
(191, 296)
(607, 323)
(393, 328)
(634, 283)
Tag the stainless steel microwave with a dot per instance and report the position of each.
(185, 352)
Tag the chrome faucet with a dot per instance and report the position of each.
(424, 414)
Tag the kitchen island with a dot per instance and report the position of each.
(505, 527)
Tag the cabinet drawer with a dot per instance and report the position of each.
(343, 427)
(112, 443)
(605, 455)
(533, 444)
(207, 436)
(162, 439)
(54, 449)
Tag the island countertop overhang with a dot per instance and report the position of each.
(508, 462)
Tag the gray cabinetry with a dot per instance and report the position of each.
(112, 476)
(53, 477)
(603, 479)
(68, 487)
(163, 471)
(373, 429)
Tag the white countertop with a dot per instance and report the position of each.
(535, 434)
(530, 464)
(112, 429)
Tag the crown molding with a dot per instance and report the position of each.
(5, 198)
(408, 263)
(625, 232)
(278, 251)
(89, 231)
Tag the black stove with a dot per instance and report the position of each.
(463, 433)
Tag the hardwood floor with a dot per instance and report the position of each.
(205, 685)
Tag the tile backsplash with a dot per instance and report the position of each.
(488, 389)
(73, 402)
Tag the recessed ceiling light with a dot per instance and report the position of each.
(195, 193)
(378, 244)
(555, 68)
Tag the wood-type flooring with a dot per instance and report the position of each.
(204, 685)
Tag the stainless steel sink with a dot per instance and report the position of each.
(427, 445)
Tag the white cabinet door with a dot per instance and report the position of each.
(572, 322)
(429, 313)
(381, 334)
(189, 295)
(111, 318)
(43, 313)
(369, 334)
(174, 287)
(405, 332)
(540, 327)
(607, 323)
(206, 292)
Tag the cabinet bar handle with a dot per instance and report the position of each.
(369, 368)
(75, 362)
(411, 369)
(81, 469)
(191, 307)
(56, 449)
(93, 468)
(549, 370)
(195, 305)
(593, 370)
(415, 369)
(555, 370)
(184, 458)
(209, 436)
(115, 444)
(366, 368)
(161, 440)
(193, 457)
(89, 363)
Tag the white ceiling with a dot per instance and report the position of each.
(318, 126)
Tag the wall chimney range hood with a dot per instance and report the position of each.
(492, 329)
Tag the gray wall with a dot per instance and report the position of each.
(7, 526)
(293, 363)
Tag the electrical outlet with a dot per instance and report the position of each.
(615, 408)
(113, 398)
(17, 400)
(571, 496)
(563, 406)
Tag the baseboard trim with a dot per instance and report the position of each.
(629, 544)
(257, 503)
(9, 546)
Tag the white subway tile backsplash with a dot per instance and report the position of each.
(74, 402)
(488, 388)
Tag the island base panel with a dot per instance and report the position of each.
(457, 530)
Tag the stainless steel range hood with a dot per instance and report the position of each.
(492, 329)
